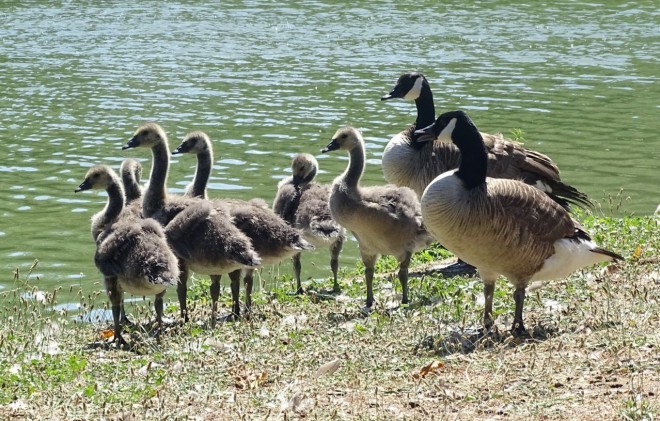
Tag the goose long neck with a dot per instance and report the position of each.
(474, 158)
(425, 107)
(202, 174)
(115, 201)
(355, 168)
(154, 196)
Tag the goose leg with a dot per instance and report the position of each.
(335, 249)
(489, 291)
(235, 277)
(158, 306)
(182, 290)
(215, 295)
(518, 328)
(369, 264)
(124, 319)
(296, 272)
(403, 277)
(249, 281)
(116, 298)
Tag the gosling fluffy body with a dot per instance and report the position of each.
(383, 219)
(303, 203)
(202, 234)
(272, 238)
(131, 253)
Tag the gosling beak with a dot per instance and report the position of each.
(177, 151)
(133, 143)
(332, 146)
(85, 185)
(297, 180)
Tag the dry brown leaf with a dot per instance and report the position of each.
(431, 368)
(244, 380)
(637, 253)
(106, 334)
(328, 368)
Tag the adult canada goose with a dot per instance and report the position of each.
(131, 253)
(502, 227)
(203, 235)
(505, 158)
(383, 219)
(304, 204)
(272, 238)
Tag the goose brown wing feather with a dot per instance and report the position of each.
(512, 202)
(509, 159)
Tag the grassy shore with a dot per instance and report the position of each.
(594, 354)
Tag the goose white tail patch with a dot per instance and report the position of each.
(543, 186)
(570, 255)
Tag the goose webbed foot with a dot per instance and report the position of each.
(298, 291)
(336, 289)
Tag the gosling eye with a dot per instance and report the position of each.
(344, 136)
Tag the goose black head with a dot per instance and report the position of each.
(408, 86)
(444, 126)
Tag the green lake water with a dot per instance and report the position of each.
(269, 79)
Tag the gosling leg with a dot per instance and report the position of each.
(249, 282)
(215, 295)
(235, 277)
(116, 298)
(182, 290)
(403, 277)
(158, 306)
(335, 249)
(369, 264)
(296, 272)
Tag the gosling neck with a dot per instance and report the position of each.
(115, 201)
(355, 167)
(202, 174)
(154, 196)
(131, 186)
(474, 158)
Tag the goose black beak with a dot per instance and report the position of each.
(85, 185)
(133, 143)
(332, 146)
(388, 96)
(182, 148)
(425, 135)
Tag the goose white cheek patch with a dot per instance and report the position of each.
(445, 134)
(415, 91)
